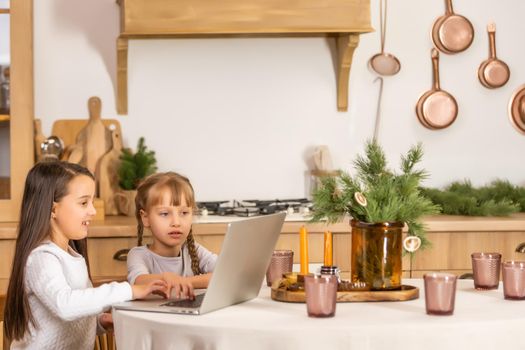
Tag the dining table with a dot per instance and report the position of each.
(482, 319)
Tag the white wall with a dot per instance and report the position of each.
(239, 116)
(4, 35)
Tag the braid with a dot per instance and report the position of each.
(140, 232)
(193, 254)
(140, 199)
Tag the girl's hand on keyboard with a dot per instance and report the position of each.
(178, 286)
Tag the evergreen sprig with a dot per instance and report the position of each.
(499, 198)
(389, 196)
(136, 166)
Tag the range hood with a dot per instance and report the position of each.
(343, 19)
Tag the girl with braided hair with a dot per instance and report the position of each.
(165, 204)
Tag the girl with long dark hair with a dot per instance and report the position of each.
(51, 303)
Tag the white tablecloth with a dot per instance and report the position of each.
(481, 320)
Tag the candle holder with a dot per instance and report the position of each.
(300, 278)
(331, 270)
(280, 263)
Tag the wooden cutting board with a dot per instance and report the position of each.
(108, 174)
(68, 129)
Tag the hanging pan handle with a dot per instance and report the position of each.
(450, 9)
(491, 29)
(435, 68)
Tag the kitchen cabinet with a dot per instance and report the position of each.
(345, 20)
(451, 250)
(453, 239)
(20, 119)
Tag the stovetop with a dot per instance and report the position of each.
(224, 211)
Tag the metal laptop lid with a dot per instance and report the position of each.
(243, 260)
(239, 272)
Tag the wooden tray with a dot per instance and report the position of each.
(405, 293)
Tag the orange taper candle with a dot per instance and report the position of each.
(328, 251)
(303, 242)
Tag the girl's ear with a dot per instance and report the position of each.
(144, 218)
(54, 210)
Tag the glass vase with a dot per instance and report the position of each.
(376, 254)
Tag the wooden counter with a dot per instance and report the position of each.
(123, 226)
(453, 239)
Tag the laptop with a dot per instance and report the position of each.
(239, 272)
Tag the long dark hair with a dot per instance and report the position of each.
(149, 192)
(46, 183)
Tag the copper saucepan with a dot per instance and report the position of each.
(517, 109)
(493, 73)
(452, 33)
(436, 109)
(383, 63)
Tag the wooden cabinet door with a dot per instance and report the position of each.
(451, 250)
(101, 253)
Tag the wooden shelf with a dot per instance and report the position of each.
(345, 20)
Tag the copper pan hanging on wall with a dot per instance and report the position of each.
(493, 72)
(517, 109)
(452, 33)
(383, 63)
(436, 108)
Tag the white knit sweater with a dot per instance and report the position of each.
(63, 301)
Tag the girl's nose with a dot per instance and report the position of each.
(91, 209)
(175, 222)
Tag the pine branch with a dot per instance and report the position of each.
(136, 166)
(500, 198)
(389, 196)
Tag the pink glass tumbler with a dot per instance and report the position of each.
(281, 263)
(440, 293)
(321, 295)
(486, 270)
(514, 280)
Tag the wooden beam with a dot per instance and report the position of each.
(346, 45)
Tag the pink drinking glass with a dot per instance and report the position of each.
(321, 295)
(440, 293)
(281, 263)
(486, 270)
(514, 280)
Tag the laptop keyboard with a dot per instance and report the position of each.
(186, 302)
